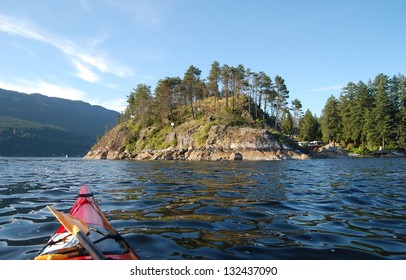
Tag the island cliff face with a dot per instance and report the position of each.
(220, 142)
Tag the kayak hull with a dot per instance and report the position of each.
(65, 246)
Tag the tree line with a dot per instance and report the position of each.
(264, 96)
(369, 115)
(365, 116)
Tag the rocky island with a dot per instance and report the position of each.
(237, 114)
(211, 128)
(222, 143)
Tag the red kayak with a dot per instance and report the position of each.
(106, 240)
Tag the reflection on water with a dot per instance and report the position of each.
(319, 209)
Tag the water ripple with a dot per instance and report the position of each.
(319, 209)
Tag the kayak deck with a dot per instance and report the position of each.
(64, 245)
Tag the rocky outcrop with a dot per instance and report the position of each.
(330, 151)
(222, 143)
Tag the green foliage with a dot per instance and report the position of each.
(130, 143)
(202, 134)
(140, 105)
(331, 121)
(367, 117)
(309, 127)
(360, 151)
(229, 117)
(25, 138)
(287, 122)
(178, 100)
(280, 137)
(156, 138)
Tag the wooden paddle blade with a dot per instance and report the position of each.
(78, 228)
(71, 224)
(51, 257)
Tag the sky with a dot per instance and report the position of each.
(98, 51)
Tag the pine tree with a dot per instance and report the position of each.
(331, 121)
(282, 94)
(308, 127)
(363, 102)
(287, 123)
(401, 127)
(346, 111)
(383, 113)
(297, 113)
(225, 80)
(191, 84)
(140, 103)
(167, 98)
(213, 82)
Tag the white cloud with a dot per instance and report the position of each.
(61, 91)
(118, 104)
(85, 73)
(145, 12)
(19, 27)
(48, 89)
(82, 61)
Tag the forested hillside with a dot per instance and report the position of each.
(37, 125)
(266, 99)
(365, 117)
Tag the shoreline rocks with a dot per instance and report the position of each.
(199, 154)
(222, 144)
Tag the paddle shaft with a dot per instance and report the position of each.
(89, 246)
(79, 229)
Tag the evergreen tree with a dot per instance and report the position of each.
(382, 113)
(166, 97)
(250, 78)
(331, 121)
(309, 127)
(287, 123)
(140, 104)
(363, 102)
(225, 80)
(213, 82)
(282, 94)
(191, 85)
(297, 114)
(236, 82)
(346, 108)
(267, 90)
(401, 127)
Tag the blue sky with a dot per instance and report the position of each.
(99, 50)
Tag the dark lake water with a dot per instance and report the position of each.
(316, 209)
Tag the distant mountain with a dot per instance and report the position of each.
(38, 125)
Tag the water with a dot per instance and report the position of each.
(317, 209)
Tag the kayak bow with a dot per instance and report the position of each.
(91, 225)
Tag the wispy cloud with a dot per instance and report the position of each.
(118, 104)
(24, 49)
(49, 89)
(85, 73)
(86, 6)
(82, 60)
(19, 27)
(61, 91)
(145, 12)
(324, 89)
